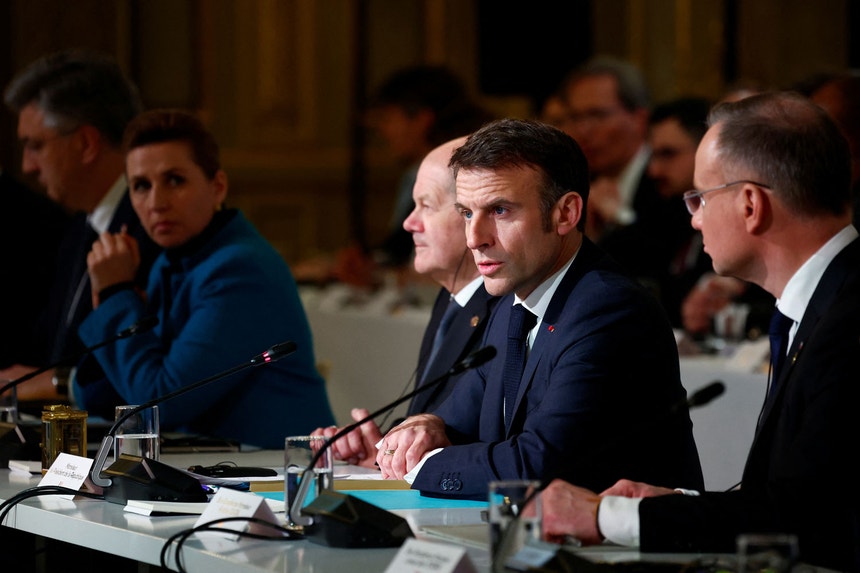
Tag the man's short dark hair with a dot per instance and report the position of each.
(75, 88)
(513, 143)
(785, 141)
(435, 88)
(691, 113)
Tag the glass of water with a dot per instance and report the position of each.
(138, 434)
(8, 404)
(298, 452)
(515, 522)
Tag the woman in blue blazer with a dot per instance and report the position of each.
(221, 293)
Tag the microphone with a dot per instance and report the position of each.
(142, 325)
(339, 520)
(706, 394)
(134, 477)
(18, 447)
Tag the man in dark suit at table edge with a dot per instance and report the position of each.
(774, 210)
(463, 304)
(599, 393)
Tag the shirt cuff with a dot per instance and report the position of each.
(618, 519)
(410, 476)
(687, 491)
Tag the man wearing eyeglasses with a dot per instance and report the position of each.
(773, 204)
(689, 291)
(607, 102)
(72, 109)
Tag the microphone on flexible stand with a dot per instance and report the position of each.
(142, 325)
(339, 520)
(134, 477)
(21, 444)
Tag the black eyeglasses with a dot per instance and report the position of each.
(694, 199)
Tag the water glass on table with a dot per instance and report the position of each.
(515, 521)
(298, 451)
(767, 552)
(8, 404)
(138, 435)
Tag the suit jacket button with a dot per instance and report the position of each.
(457, 485)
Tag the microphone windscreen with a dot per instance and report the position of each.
(704, 395)
(275, 353)
(474, 359)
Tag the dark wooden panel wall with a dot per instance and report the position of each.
(279, 80)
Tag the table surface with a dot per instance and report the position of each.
(106, 527)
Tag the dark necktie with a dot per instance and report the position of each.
(779, 327)
(521, 322)
(77, 298)
(441, 332)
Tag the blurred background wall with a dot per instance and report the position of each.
(282, 82)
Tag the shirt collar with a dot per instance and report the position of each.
(102, 215)
(628, 181)
(538, 301)
(800, 287)
(465, 295)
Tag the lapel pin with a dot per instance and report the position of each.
(475, 320)
(551, 328)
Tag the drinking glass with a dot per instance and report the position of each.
(298, 451)
(138, 435)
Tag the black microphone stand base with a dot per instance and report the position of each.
(134, 477)
(342, 520)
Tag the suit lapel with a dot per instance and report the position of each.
(585, 260)
(461, 337)
(427, 342)
(831, 282)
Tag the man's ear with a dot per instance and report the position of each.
(758, 208)
(90, 141)
(567, 212)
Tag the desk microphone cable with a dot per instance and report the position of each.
(38, 490)
(181, 537)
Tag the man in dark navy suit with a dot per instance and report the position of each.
(774, 208)
(31, 229)
(72, 109)
(586, 379)
(461, 309)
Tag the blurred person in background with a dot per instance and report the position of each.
(72, 107)
(414, 110)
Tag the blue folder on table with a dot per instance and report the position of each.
(390, 499)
